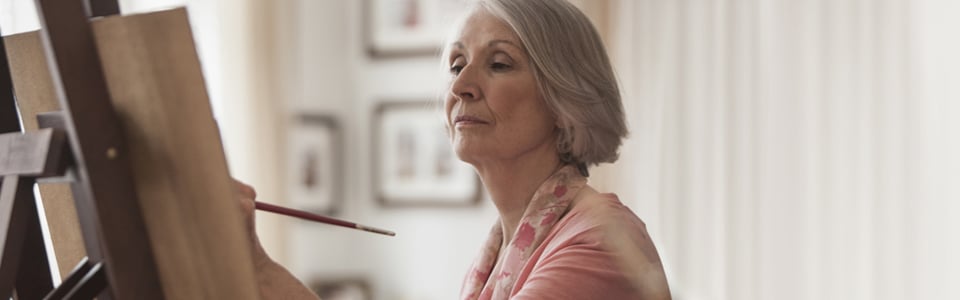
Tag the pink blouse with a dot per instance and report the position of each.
(594, 249)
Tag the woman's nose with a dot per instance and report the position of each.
(466, 84)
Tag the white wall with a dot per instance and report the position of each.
(434, 246)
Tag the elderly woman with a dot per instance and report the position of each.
(532, 103)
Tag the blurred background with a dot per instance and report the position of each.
(778, 149)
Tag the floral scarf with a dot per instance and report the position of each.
(548, 205)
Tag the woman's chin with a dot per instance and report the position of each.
(464, 157)
(467, 154)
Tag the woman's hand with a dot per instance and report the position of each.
(247, 195)
(273, 280)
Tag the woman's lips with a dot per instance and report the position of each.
(468, 120)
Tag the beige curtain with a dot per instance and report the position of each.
(795, 149)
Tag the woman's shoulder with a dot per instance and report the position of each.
(595, 211)
(601, 220)
(603, 238)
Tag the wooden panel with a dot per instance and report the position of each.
(58, 206)
(180, 171)
(35, 94)
(31, 76)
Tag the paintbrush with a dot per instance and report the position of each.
(318, 218)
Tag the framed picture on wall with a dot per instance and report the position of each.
(313, 168)
(409, 27)
(414, 164)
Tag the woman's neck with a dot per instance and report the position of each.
(511, 185)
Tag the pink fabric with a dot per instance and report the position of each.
(596, 249)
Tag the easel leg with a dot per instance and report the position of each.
(33, 279)
(19, 242)
(9, 119)
(90, 285)
(11, 235)
(72, 280)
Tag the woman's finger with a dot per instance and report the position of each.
(245, 190)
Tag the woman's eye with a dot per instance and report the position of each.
(499, 66)
(455, 69)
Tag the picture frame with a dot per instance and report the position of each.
(414, 164)
(409, 27)
(314, 163)
(342, 289)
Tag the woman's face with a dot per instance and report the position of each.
(494, 109)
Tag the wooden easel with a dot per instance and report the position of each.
(112, 225)
(82, 143)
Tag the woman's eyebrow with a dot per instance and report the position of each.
(459, 45)
(508, 42)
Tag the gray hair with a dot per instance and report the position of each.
(573, 74)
